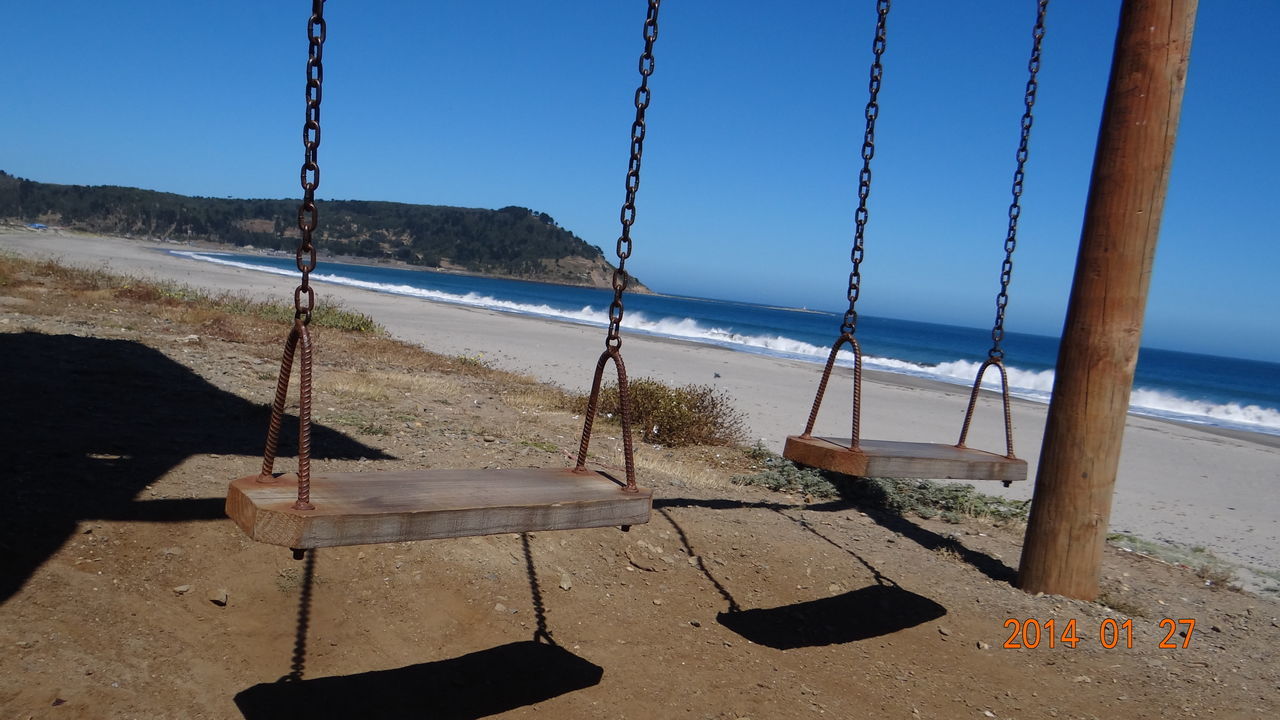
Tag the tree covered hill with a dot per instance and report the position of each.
(513, 241)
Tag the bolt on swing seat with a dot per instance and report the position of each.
(347, 508)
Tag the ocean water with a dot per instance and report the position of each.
(1201, 389)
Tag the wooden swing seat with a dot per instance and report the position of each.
(885, 458)
(361, 508)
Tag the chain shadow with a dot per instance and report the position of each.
(91, 422)
(299, 660)
(475, 685)
(872, 611)
(987, 565)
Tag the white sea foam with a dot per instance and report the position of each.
(585, 315)
(1038, 385)
(1235, 415)
(1034, 385)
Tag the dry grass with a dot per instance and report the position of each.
(950, 552)
(530, 395)
(606, 452)
(196, 307)
(360, 386)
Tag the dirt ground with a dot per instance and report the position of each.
(126, 593)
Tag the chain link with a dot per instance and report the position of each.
(850, 323)
(613, 340)
(1019, 174)
(310, 174)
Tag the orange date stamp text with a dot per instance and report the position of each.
(1030, 633)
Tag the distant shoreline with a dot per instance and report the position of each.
(1259, 437)
(889, 376)
(374, 262)
(323, 256)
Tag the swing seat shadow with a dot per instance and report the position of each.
(477, 685)
(861, 614)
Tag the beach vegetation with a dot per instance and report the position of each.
(541, 445)
(361, 424)
(950, 550)
(331, 315)
(1121, 604)
(1213, 570)
(760, 454)
(359, 386)
(781, 475)
(790, 478)
(674, 416)
(473, 362)
(204, 306)
(950, 502)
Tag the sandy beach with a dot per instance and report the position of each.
(126, 591)
(1196, 486)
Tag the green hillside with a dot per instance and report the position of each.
(512, 242)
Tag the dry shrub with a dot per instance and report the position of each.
(676, 416)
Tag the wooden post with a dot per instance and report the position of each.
(1081, 450)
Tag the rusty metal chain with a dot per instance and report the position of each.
(995, 356)
(850, 323)
(1015, 207)
(613, 339)
(300, 334)
(310, 175)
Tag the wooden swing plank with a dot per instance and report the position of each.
(884, 458)
(381, 507)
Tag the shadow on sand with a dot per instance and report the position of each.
(864, 613)
(476, 685)
(872, 611)
(89, 423)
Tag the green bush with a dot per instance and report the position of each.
(924, 498)
(326, 315)
(929, 499)
(788, 477)
(675, 416)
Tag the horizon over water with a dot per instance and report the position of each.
(1188, 387)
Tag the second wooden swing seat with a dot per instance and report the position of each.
(896, 459)
(891, 459)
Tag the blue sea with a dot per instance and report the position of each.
(1187, 387)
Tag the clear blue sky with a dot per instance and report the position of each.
(751, 161)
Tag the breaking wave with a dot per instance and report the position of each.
(1036, 385)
